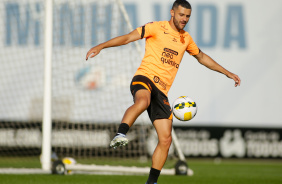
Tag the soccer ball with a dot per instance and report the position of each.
(184, 108)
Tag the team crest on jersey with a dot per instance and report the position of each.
(182, 40)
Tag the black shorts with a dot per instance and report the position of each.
(159, 107)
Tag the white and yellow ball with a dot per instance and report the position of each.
(69, 161)
(184, 108)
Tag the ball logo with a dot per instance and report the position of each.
(185, 104)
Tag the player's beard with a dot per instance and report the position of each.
(178, 25)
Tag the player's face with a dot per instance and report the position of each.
(181, 17)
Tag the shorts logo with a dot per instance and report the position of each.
(166, 102)
(150, 87)
(160, 82)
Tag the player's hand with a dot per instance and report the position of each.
(94, 51)
(235, 77)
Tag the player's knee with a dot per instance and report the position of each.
(142, 104)
(165, 141)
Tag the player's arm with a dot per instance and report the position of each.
(213, 65)
(117, 41)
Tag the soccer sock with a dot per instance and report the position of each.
(153, 176)
(123, 129)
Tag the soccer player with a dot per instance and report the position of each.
(166, 42)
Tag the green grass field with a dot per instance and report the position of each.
(206, 171)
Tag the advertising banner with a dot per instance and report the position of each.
(230, 142)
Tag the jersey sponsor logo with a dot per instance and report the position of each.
(174, 39)
(160, 82)
(171, 51)
(167, 57)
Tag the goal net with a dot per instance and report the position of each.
(88, 97)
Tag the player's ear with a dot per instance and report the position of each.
(172, 12)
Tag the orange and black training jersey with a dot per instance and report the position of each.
(164, 50)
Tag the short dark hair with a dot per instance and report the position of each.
(183, 3)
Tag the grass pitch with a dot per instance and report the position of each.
(206, 171)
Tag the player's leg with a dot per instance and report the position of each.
(163, 128)
(161, 115)
(142, 100)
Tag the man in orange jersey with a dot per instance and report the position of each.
(166, 42)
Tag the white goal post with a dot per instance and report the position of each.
(47, 108)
